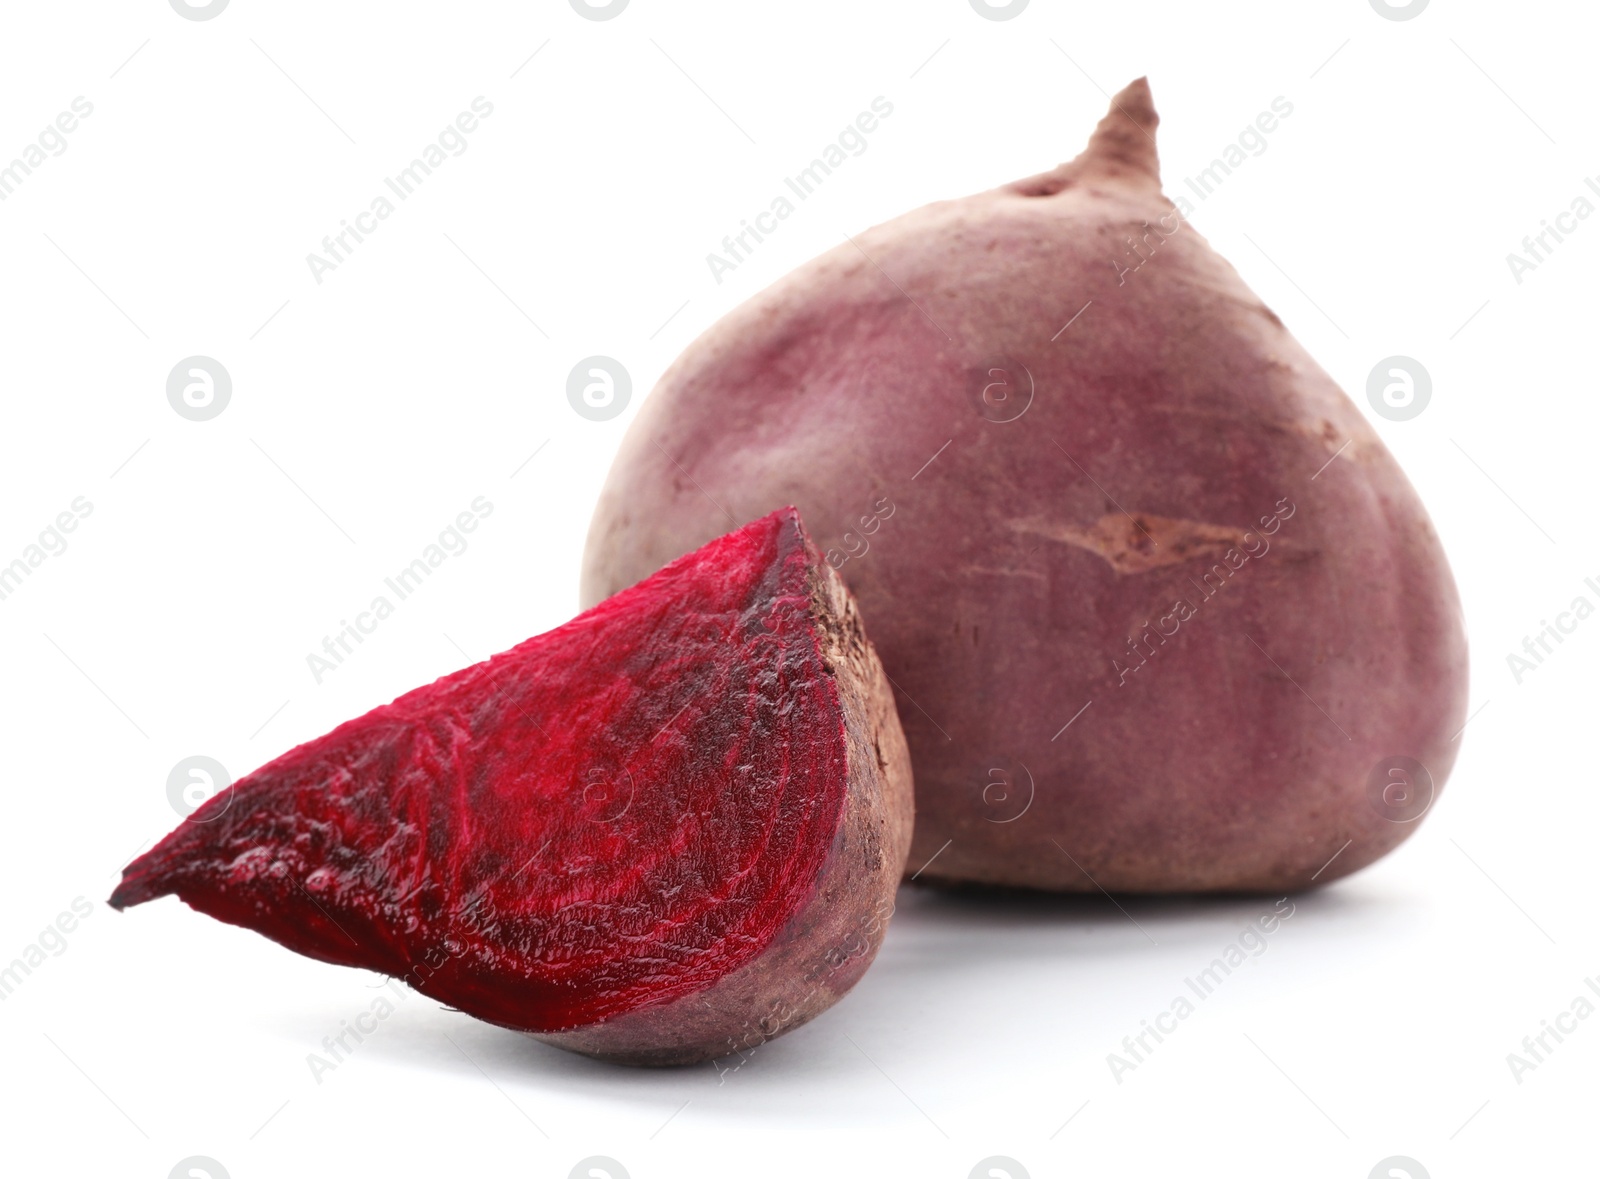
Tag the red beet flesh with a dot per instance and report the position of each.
(610, 817)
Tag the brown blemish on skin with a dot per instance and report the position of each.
(999, 571)
(1361, 445)
(1140, 542)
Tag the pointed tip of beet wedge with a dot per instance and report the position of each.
(629, 834)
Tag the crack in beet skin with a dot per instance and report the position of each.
(614, 814)
(1140, 542)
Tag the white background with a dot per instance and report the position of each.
(369, 409)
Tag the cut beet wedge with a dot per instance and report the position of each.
(668, 830)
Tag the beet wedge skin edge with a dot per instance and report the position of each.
(668, 830)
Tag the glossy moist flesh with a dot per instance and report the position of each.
(666, 830)
(1160, 609)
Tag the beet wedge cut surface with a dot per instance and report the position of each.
(666, 831)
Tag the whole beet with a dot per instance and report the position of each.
(1161, 611)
